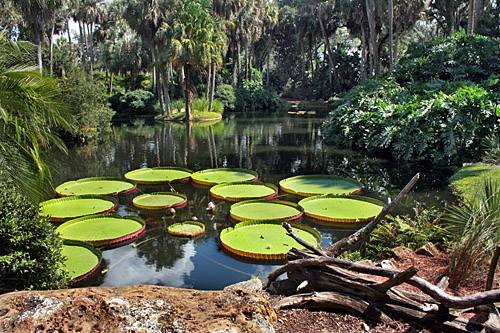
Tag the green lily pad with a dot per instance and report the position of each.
(265, 210)
(160, 200)
(265, 240)
(102, 230)
(310, 185)
(187, 229)
(81, 259)
(333, 208)
(212, 177)
(95, 186)
(243, 191)
(66, 208)
(159, 175)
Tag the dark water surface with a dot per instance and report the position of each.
(276, 147)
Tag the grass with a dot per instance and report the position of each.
(467, 183)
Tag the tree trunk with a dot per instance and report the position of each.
(166, 93)
(475, 11)
(390, 5)
(159, 90)
(188, 92)
(69, 34)
(153, 79)
(82, 47)
(38, 42)
(363, 54)
(110, 83)
(51, 55)
(212, 88)
(268, 65)
(209, 81)
(329, 49)
(372, 44)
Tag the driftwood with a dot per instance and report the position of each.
(316, 279)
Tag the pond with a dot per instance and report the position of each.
(276, 147)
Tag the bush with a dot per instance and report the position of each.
(252, 96)
(88, 102)
(409, 231)
(225, 93)
(436, 106)
(133, 103)
(30, 255)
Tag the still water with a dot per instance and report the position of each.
(275, 146)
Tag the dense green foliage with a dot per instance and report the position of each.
(226, 94)
(468, 181)
(436, 106)
(31, 114)
(88, 103)
(252, 95)
(410, 231)
(30, 255)
(133, 103)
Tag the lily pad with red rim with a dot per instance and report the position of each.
(81, 260)
(263, 240)
(95, 186)
(63, 209)
(159, 175)
(266, 210)
(187, 229)
(101, 230)
(212, 177)
(243, 191)
(310, 185)
(160, 200)
(342, 209)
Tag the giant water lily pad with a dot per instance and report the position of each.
(243, 191)
(82, 260)
(310, 185)
(159, 175)
(62, 209)
(349, 209)
(187, 229)
(266, 210)
(95, 186)
(102, 230)
(160, 200)
(212, 177)
(265, 240)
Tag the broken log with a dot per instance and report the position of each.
(362, 234)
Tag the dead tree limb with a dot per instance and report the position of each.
(493, 267)
(398, 279)
(305, 244)
(362, 234)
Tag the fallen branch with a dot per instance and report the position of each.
(493, 267)
(362, 234)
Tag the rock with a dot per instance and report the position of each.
(137, 309)
(366, 262)
(253, 285)
(401, 252)
(428, 249)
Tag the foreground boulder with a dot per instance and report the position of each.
(136, 309)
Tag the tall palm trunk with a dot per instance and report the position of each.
(209, 81)
(390, 8)
(188, 92)
(328, 48)
(212, 88)
(372, 37)
(38, 42)
(363, 53)
(51, 56)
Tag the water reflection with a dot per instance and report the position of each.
(276, 147)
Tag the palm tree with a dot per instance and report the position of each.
(31, 116)
(38, 15)
(196, 42)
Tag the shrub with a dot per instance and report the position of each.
(409, 231)
(225, 93)
(475, 226)
(436, 106)
(491, 147)
(30, 255)
(133, 103)
(252, 96)
(88, 103)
